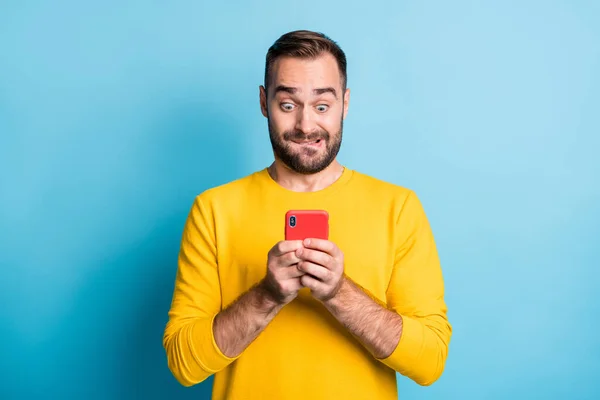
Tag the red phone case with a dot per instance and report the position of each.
(302, 224)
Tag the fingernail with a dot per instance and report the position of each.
(307, 242)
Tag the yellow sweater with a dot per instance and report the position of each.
(305, 352)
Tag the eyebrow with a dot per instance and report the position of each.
(326, 90)
(286, 89)
(293, 90)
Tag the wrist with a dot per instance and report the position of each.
(337, 298)
(267, 296)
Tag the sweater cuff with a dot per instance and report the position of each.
(408, 351)
(205, 349)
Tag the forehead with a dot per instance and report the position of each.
(306, 73)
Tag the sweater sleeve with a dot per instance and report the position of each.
(189, 342)
(416, 293)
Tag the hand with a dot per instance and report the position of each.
(323, 263)
(283, 277)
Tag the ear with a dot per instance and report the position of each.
(263, 101)
(346, 102)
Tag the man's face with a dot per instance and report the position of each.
(305, 108)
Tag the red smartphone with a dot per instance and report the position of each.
(302, 224)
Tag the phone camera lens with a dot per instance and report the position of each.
(292, 221)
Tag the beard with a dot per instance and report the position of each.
(305, 160)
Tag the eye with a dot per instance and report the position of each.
(322, 108)
(287, 106)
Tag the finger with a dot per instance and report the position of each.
(291, 272)
(315, 256)
(285, 246)
(315, 270)
(313, 283)
(325, 246)
(287, 259)
(293, 285)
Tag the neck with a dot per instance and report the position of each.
(296, 182)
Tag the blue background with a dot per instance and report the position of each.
(114, 116)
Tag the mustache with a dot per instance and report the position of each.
(300, 136)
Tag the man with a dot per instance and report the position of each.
(318, 319)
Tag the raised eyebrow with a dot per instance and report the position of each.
(325, 90)
(286, 89)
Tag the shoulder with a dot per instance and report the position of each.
(397, 198)
(231, 191)
(379, 187)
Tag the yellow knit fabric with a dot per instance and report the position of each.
(305, 353)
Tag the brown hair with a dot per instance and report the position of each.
(305, 44)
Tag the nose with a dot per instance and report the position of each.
(305, 121)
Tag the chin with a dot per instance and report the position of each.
(308, 169)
